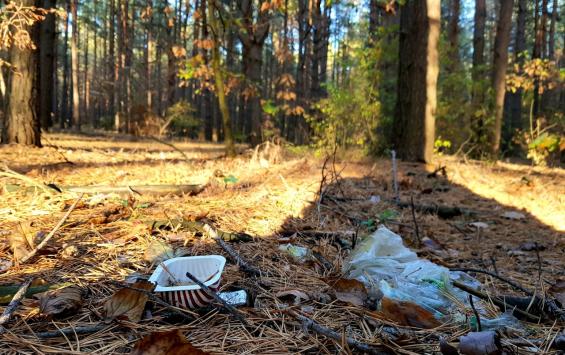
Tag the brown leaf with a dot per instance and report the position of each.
(350, 291)
(127, 303)
(165, 343)
(61, 303)
(297, 296)
(408, 314)
(21, 241)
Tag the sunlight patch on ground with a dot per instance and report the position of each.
(538, 191)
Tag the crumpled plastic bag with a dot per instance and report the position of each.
(382, 261)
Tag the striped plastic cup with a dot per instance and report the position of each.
(207, 269)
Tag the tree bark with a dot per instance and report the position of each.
(500, 63)
(74, 70)
(252, 39)
(65, 108)
(46, 75)
(478, 74)
(453, 35)
(551, 44)
(149, 55)
(414, 127)
(22, 124)
(514, 116)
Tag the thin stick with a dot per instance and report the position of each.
(496, 301)
(395, 177)
(170, 145)
(72, 331)
(416, 229)
(11, 308)
(308, 323)
(51, 234)
(479, 328)
(243, 265)
(503, 279)
(175, 280)
(217, 298)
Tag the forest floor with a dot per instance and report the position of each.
(275, 199)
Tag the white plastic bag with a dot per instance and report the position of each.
(381, 260)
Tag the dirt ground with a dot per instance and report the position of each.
(267, 198)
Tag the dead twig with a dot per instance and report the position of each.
(11, 308)
(217, 298)
(308, 323)
(395, 177)
(416, 228)
(172, 146)
(503, 279)
(243, 265)
(501, 304)
(72, 331)
(52, 233)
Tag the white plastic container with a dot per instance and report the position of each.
(207, 269)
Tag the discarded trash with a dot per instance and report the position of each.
(505, 322)
(375, 199)
(207, 269)
(382, 260)
(234, 298)
(479, 225)
(513, 215)
(480, 343)
(298, 253)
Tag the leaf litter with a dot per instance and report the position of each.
(112, 245)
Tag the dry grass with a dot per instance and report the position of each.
(266, 199)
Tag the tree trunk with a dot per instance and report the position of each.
(551, 48)
(478, 75)
(414, 127)
(252, 40)
(74, 59)
(65, 109)
(500, 63)
(453, 36)
(149, 55)
(514, 116)
(86, 98)
(46, 75)
(22, 124)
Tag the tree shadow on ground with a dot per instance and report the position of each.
(506, 245)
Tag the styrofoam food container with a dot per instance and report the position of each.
(207, 269)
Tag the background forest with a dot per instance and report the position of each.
(346, 73)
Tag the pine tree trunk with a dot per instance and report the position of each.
(551, 45)
(65, 109)
(500, 63)
(46, 75)
(22, 124)
(414, 127)
(514, 116)
(478, 75)
(149, 56)
(74, 59)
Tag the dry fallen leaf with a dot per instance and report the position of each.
(61, 303)
(350, 291)
(165, 343)
(127, 303)
(513, 215)
(21, 241)
(408, 314)
(297, 296)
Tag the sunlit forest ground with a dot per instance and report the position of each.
(266, 197)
